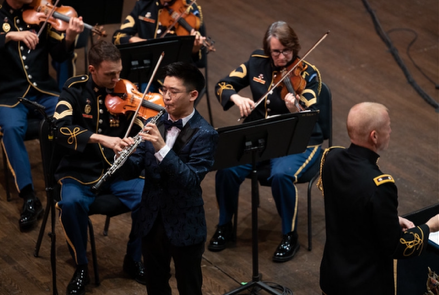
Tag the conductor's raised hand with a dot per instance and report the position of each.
(152, 134)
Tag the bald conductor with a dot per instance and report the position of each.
(363, 230)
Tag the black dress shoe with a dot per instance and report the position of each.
(135, 270)
(287, 248)
(32, 210)
(78, 282)
(222, 235)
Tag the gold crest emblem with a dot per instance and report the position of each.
(6, 27)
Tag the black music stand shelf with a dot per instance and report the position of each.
(140, 58)
(258, 141)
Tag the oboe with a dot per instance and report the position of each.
(124, 154)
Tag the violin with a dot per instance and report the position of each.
(287, 74)
(59, 19)
(291, 81)
(126, 98)
(178, 15)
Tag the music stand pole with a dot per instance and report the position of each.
(50, 206)
(48, 179)
(257, 141)
(256, 277)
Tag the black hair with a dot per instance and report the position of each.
(191, 76)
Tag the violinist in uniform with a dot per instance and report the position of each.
(91, 135)
(144, 21)
(280, 50)
(24, 72)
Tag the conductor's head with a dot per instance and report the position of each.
(368, 125)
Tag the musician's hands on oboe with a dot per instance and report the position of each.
(152, 134)
(115, 143)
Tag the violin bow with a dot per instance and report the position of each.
(288, 73)
(45, 22)
(144, 93)
(176, 20)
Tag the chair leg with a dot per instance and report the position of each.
(207, 96)
(235, 224)
(309, 215)
(93, 251)
(107, 225)
(6, 172)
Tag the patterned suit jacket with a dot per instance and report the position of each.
(172, 187)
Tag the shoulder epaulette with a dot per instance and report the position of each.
(259, 53)
(379, 180)
(77, 79)
(319, 77)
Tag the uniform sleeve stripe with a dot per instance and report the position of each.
(63, 114)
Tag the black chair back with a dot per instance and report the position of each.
(325, 115)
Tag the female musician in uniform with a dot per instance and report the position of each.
(281, 49)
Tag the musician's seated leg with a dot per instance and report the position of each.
(130, 194)
(284, 173)
(227, 183)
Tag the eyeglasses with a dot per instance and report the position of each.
(171, 91)
(285, 52)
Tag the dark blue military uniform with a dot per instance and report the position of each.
(259, 73)
(81, 112)
(363, 234)
(25, 73)
(144, 21)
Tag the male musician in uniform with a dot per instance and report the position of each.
(177, 153)
(281, 49)
(24, 72)
(143, 21)
(92, 135)
(363, 230)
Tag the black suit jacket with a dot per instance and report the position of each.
(172, 187)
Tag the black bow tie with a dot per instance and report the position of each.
(169, 124)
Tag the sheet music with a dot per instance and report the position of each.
(434, 237)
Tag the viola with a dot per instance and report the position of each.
(126, 98)
(293, 83)
(59, 19)
(178, 15)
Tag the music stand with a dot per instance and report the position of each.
(48, 128)
(139, 59)
(258, 141)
